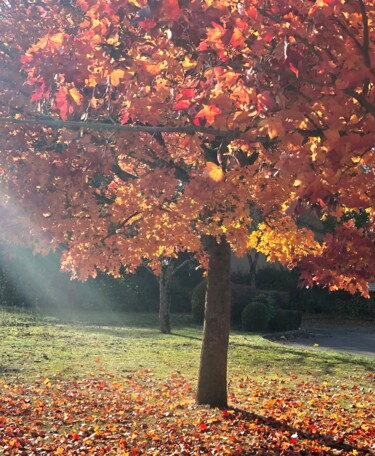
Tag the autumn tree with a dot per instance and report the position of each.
(159, 127)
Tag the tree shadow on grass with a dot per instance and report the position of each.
(8, 370)
(327, 360)
(323, 440)
(185, 336)
(137, 332)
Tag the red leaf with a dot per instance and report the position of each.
(294, 69)
(61, 98)
(172, 9)
(147, 24)
(181, 105)
(188, 93)
(125, 117)
(252, 12)
(36, 96)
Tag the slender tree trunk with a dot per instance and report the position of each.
(212, 382)
(165, 282)
(253, 268)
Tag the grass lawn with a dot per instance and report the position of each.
(113, 384)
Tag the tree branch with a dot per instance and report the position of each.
(180, 266)
(361, 100)
(349, 33)
(123, 175)
(366, 40)
(190, 129)
(114, 230)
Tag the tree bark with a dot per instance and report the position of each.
(212, 382)
(165, 282)
(252, 268)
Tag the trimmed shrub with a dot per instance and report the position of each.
(241, 295)
(255, 316)
(353, 306)
(269, 299)
(197, 302)
(285, 320)
(317, 300)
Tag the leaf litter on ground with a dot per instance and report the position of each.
(94, 398)
(140, 414)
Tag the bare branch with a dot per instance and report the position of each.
(190, 129)
(117, 227)
(361, 100)
(366, 40)
(180, 266)
(349, 33)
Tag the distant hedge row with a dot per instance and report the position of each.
(36, 282)
(277, 304)
(314, 300)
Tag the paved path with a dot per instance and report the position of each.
(348, 340)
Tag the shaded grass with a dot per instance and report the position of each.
(92, 342)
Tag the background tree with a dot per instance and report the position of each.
(169, 117)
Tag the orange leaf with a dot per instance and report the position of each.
(56, 40)
(115, 77)
(214, 172)
(209, 113)
(77, 97)
(275, 128)
(237, 39)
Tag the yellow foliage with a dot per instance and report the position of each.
(281, 240)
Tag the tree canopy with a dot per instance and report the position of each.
(186, 116)
(135, 130)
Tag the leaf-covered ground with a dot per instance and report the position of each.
(141, 415)
(284, 401)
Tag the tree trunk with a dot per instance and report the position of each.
(165, 282)
(252, 268)
(212, 382)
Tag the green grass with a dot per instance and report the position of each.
(92, 342)
(113, 384)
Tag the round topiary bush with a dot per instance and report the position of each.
(266, 298)
(241, 295)
(255, 316)
(198, 297)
